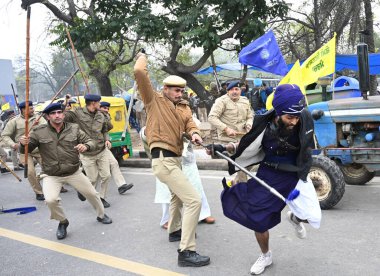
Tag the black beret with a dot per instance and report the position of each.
(23, 104)
(53, 106)
(233, 84)
(92, 98)
(107, 104)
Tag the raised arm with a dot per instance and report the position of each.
(142, 78)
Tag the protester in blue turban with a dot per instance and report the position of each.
(288, 99)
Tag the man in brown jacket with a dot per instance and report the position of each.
(168, 117)
(59, 144)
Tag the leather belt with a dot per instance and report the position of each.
(282, 166)
(166, 153)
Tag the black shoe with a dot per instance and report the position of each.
(105, 203)
(21, 165)
(18, 169)
(81, 197)
(192, 258)
(175, 236)
(61, 231)
(63, 190)
(4, 170)
(105, 220)
(40, 197)
(125, 187)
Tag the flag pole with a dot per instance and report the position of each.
(26, 112)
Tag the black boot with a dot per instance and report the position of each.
(191, 258)
(81, 197)
(105, 219)
(175, 236)
(105, 203)
(4, 170)
(40, 197)
(125, 187)
(61, 231)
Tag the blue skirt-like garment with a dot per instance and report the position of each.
(254, 206)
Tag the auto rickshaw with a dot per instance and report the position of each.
(119, 134)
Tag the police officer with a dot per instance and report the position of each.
(114, 166)
(231, 114)
(95, 124)
(59, 144)
(14, 129)
(168, 117)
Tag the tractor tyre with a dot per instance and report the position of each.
(328, 181)
(356, 174)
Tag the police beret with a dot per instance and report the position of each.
(53, 106)
(92, 98)
(107, 104)
(175, 81)
(233, 84)
(23, 104)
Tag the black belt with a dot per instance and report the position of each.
(166, 153)
(282, 166)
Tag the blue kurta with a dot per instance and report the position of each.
(253, 205)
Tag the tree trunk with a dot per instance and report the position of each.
(102, 79)
(370, 42)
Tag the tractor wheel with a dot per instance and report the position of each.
(328, 181)
(356, 174)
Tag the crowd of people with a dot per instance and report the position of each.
(72, 146)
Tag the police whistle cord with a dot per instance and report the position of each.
(11, 171)
(21, 210)
(292, 195)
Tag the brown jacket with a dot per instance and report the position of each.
(59, 157)
(165, 121)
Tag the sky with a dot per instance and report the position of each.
(13, 31)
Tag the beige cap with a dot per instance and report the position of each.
(176, 81)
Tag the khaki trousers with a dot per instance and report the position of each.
(52, 188)
(97, 165)
(32, 176)
(115, 169)
(168, 171)
(3, 155)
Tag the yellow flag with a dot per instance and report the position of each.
(321, 63)
(5, 107)
(294, 76)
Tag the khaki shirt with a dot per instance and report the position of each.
(235, 115)
(95, 125)
(59, 157)
(15, 128)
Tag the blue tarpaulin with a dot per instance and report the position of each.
(342, 62)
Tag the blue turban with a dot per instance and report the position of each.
(105, 104)
(288, 99)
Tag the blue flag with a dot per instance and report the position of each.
(265, 54)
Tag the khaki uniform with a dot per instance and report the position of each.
(95, 162)
(165, 124)
(60, 162)
(235, 115)
(10, 136)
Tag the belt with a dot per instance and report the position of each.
(282, 166)
(166, 153)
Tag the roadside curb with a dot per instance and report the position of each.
(141, 160)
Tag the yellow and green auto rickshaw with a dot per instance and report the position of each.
(119, 134)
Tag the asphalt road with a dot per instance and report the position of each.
(346, 244)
